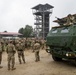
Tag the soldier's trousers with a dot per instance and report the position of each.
(21, 55)
(37, 57)
(0, 57)
(11, 60)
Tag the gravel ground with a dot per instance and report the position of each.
(46, 65)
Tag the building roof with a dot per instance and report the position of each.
(43, 6)
(10, 33)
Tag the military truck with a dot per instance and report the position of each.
(62, 42)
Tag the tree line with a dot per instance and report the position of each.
(27, 31)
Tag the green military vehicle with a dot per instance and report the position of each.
(62, 41)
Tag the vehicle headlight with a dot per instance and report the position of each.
(66, 54)
(69, 54)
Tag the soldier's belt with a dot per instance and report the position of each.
(20, 50)
(10, 51)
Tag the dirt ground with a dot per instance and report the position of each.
(46, 65)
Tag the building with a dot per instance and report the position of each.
(42, 16)
(9, 35)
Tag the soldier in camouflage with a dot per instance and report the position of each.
(1, 50)
(11, 55)
(36, 50)
(20, 50)
(42, 43)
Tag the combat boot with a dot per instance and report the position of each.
(13, 68)
(8, 66)
(20, 61)
(36, 60)
(1, 67)
(24, 61)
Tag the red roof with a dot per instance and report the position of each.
(10, 33)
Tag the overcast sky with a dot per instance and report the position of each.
(15, 14)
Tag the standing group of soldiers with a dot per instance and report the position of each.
(19, 46)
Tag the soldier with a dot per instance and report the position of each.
(42, 43)
(20, 49)
(28, 43)
(11, 53)
(36, 50)
(1, 50)
(32, 45)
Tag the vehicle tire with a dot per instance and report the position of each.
(56, 58)
(75, 62)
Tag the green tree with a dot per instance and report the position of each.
(21, 30)
(5, 31)
(27, 31)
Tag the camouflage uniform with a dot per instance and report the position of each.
(70, 19)
(28, 44)
(74, 21)
(20, 49)
(1, 50)
(36, 50)
(42, 44)
(11, 52)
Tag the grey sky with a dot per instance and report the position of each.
(15, 14)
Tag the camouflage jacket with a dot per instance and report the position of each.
(36, 46)
(10, 48)
(1, 48)
(19, 47)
